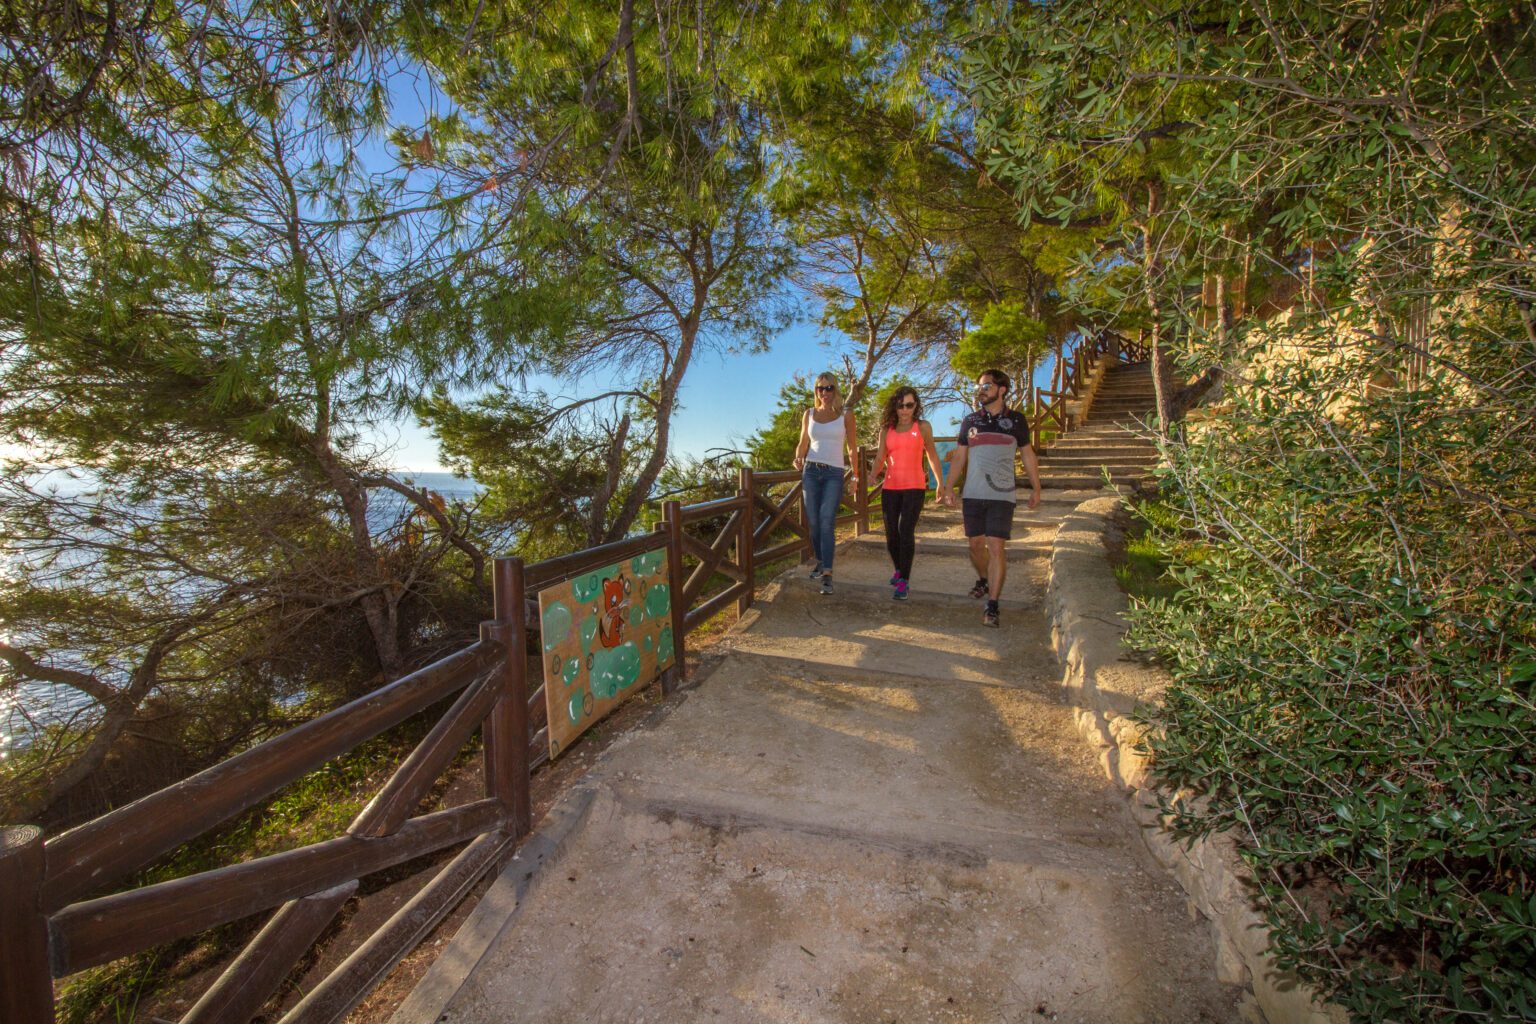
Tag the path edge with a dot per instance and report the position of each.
(1103, 685)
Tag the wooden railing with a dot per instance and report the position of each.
(63, 907)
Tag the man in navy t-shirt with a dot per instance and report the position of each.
(990, 439)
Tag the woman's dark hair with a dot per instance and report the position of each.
(891, 414)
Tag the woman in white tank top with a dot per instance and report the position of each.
(826, 433)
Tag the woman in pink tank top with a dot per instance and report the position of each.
(905, 437)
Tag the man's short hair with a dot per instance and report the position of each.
(999, 378)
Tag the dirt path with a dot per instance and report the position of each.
(869, 811)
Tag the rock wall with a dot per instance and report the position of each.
(1087, 622)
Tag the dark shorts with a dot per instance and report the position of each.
(987, 518)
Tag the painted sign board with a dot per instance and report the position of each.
(605, 635)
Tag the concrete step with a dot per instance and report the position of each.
(1102, 431)
(1110, 453)
(941, 571)
(929, 636)
(1054, 481)
(1099, 406)
(1127, 460)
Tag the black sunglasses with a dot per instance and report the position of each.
(826, 387)
(906, 405)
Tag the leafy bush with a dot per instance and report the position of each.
(1354, 658)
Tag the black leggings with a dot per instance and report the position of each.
(901, 509)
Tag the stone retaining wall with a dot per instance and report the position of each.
(1086, 607)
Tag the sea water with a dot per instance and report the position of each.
(30, 707)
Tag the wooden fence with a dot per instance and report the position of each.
(63, 904)
(68, 903)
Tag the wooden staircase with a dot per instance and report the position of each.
(1108, 444)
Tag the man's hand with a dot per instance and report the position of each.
(1034, 498)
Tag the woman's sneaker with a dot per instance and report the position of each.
(901, 590)
(895, 578)
(826, 583)
(980, 589)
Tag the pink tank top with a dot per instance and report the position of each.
(904, 457)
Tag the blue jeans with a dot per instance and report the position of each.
(823, 492)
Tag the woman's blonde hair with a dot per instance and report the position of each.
(835, 403)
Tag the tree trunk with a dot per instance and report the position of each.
(1162, 362)
(379, 607)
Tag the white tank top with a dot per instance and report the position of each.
(827, 442)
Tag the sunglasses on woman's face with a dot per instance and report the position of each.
(826, 387)
(906, 405)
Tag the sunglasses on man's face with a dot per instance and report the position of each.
(985, 387)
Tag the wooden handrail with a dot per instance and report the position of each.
(102, 851)
(94, 932)
(706, 509)
(563, 567)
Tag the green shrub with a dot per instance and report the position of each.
(1354, 657)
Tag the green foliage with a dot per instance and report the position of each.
(1355, 655)
(1008, 339)
(1352, 637)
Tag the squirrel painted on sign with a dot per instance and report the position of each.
(610, 623)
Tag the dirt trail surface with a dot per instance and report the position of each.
(869, 811)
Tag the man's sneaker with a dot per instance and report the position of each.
(817, 573)
(979, 590)
(826, 583)
(901, 590)
(989, 617)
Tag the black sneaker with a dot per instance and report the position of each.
(817, 573)
(979, 590)
(989, 617)
(826, 583)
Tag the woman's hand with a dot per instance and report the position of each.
(799, 461)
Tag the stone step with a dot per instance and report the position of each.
(1054, 481)
(1128, 460)
(1101, 453)
(1104, 431)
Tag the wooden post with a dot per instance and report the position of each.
(26, 980)
(506, 727)
(860, 492)
(744, 558)
(672, 512)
